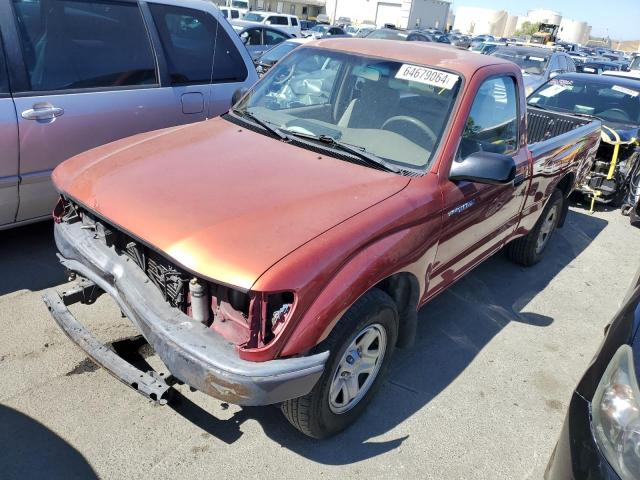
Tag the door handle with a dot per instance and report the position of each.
(42, 111)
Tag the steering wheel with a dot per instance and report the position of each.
(412, 121)
(284, 76)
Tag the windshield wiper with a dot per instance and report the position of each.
(361, 153)
(276, 132)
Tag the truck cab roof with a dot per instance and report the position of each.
(420, 53)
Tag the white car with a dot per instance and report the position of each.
(231, 13)
(283, 21)
(241, 5)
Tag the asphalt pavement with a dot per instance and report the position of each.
(481, 395)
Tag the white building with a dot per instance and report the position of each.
(480, 21)
(544, 16)
(510, 26)
(400, 13)
(573, 31)
(302, 8)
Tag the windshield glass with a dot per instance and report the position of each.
(240, 4)
(276, 53)
(388, 35)
(253, 17)
(320, 28)
(635, 65)
(609, 102)
(392, 110)
(529, 62)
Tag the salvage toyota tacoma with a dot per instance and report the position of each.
(280, 253)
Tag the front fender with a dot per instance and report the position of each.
(362, 272)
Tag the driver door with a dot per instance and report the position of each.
(478, 218)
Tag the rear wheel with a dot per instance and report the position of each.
(361, 346)
(529, 250)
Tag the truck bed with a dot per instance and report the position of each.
(543, 124)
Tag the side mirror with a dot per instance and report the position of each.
(554, 74)
(237, 95)
(268, 22)
(484, 167)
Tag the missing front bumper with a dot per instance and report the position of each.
(192, 352)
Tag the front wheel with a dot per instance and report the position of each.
(529, 250)
(361, 346)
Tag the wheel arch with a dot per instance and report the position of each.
(566, 186)
(404, 289)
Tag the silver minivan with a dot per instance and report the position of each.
(75, 74)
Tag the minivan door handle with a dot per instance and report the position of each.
(42, 111)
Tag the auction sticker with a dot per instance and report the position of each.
(625, 90)
(428, 76)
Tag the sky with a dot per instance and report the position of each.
(618, 19)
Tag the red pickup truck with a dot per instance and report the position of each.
(279, 254)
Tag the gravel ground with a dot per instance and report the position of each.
(481, 395)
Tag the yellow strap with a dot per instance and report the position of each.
(616, 150)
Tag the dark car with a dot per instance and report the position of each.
(615, 176)
(596, 67)
(269, 58)
(402, 35)
(258, 39)
(307, 24)
(460, 41)
(600, 438)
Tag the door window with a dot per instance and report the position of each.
(228, 65)
(563, 63)
(492, 125)
(271, 37)
(70, 44)
(278, 20)
(188, 39)
(554, 65)
(235, 14)
(294, 21)
(4, 80)
(252, 37)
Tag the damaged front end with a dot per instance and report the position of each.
(205, 332)
(615, 177)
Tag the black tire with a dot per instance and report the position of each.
(312, 414)
(524, 250)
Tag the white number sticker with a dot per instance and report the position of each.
(625, 90)
(428, 76)
(552, 91)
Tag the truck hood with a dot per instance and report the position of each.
(222, 201)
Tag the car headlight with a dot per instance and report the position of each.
(615, 413)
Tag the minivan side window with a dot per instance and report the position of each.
(294, 21)
(188, 40)
(4, 80)
(74, 44)
(228, 65)
(492, 125)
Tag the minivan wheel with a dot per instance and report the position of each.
(361, 345)
(528, 250)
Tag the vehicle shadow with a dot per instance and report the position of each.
(28, 260)
(28, 449)
(453, 328)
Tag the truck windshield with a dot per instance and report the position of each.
(607, 101)
(240, 4)
(395, 111)
(529, 62)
